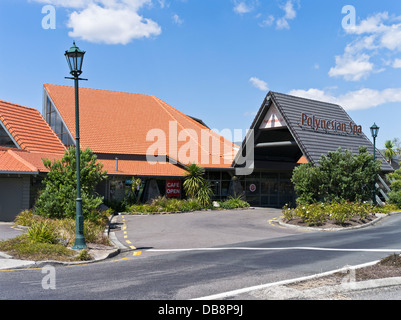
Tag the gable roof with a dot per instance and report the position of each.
(313, 141)
(119, 123)
(29, 129)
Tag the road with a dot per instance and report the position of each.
(169, 275)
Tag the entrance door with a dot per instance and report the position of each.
(269, 189)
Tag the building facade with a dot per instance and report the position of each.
(141, 136)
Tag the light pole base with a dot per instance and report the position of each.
(79, 243)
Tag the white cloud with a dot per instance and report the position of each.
(290, 14)
(397, 63)
(259, 84)
(242, 7)
(353, 100)
(352, 68)
(108, 21)
(267, 22)
(177, 19)
(377, 34)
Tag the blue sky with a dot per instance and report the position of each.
(212, 59)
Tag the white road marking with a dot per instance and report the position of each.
(275, 249)
(283, 282)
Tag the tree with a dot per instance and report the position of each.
(307, 183)
(389, 152)
(395, 193)
(193, 180)
(57, 199)
(338, 176)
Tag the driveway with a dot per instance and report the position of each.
(202, 229)
(7, 232)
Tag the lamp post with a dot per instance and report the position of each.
(374, 130)
(75, 57)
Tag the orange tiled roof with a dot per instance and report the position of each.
(119, 122)
(29, 129)
(141, 168)
(21, 161)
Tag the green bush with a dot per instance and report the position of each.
(57, 199)
(163, 204)
(395, 193)
(338, 176)
(234, 203)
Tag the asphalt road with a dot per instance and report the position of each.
(255, 259)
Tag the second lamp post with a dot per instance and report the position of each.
(374, 130)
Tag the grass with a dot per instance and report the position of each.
(49, 239)
(22, 247)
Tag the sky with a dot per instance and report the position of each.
(212, 59)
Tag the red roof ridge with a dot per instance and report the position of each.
(117, 91)
(17, 105)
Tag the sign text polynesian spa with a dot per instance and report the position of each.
(330, 126)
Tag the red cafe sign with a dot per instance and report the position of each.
(173, 188)
(316, 124)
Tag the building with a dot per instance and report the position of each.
(141, 136)
(290, 130)
(25, 139)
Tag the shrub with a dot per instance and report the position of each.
(204, 194)
(339, 176)
(234, 203)
(84, 255)
(395, 193)
(26, 218)
(340, 212)
(193, 180)
(42, 232)
(58, 197)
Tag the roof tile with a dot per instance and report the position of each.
(29, 129)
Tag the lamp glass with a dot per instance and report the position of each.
(374, 130)
(75, 57)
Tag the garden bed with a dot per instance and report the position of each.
(332, 223)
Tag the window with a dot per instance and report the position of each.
(5, 140)
(56, 123)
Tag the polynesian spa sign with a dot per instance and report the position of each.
(329, 126)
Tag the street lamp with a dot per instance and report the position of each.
(75, 57)
(374, 130)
